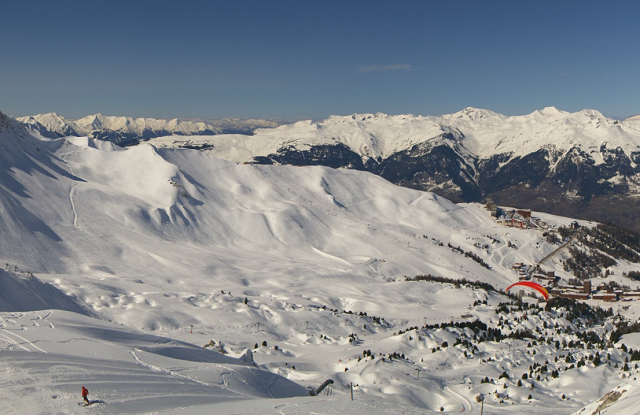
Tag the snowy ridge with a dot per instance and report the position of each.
(52, 125)
(120, 129)
(482, 132)
(141, 126)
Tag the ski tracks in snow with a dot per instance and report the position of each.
(63, 157)
(10, 337)
(73, 206)
(16, 340)
(12, 342)
(163, 370)
(38, 317)
(500, 255)
(464, 402)
(47, 321)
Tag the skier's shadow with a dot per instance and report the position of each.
(91, 402)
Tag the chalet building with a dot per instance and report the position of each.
(630, 294)
(513, 220)
(525, 213)
(605, 296)
(575, 296)
(546, 278)
(520, 219)
(602, 292)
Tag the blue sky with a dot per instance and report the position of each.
(311, 59)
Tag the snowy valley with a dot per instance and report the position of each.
(170, 280)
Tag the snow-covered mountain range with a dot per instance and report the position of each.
(120, 264)
(129, 130)
(579, 164)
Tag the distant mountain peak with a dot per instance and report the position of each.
(593, 114)
(474, 114)
(551, 110)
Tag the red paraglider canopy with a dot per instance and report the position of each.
(533, 285)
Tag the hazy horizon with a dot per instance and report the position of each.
(292, 60)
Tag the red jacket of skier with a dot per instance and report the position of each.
(85, 392)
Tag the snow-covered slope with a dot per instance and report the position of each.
(305, 267)
(621, 400)
(31, 178)
(56, 352)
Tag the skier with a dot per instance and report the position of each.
(85, 393)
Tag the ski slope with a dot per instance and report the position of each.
(56, 352)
